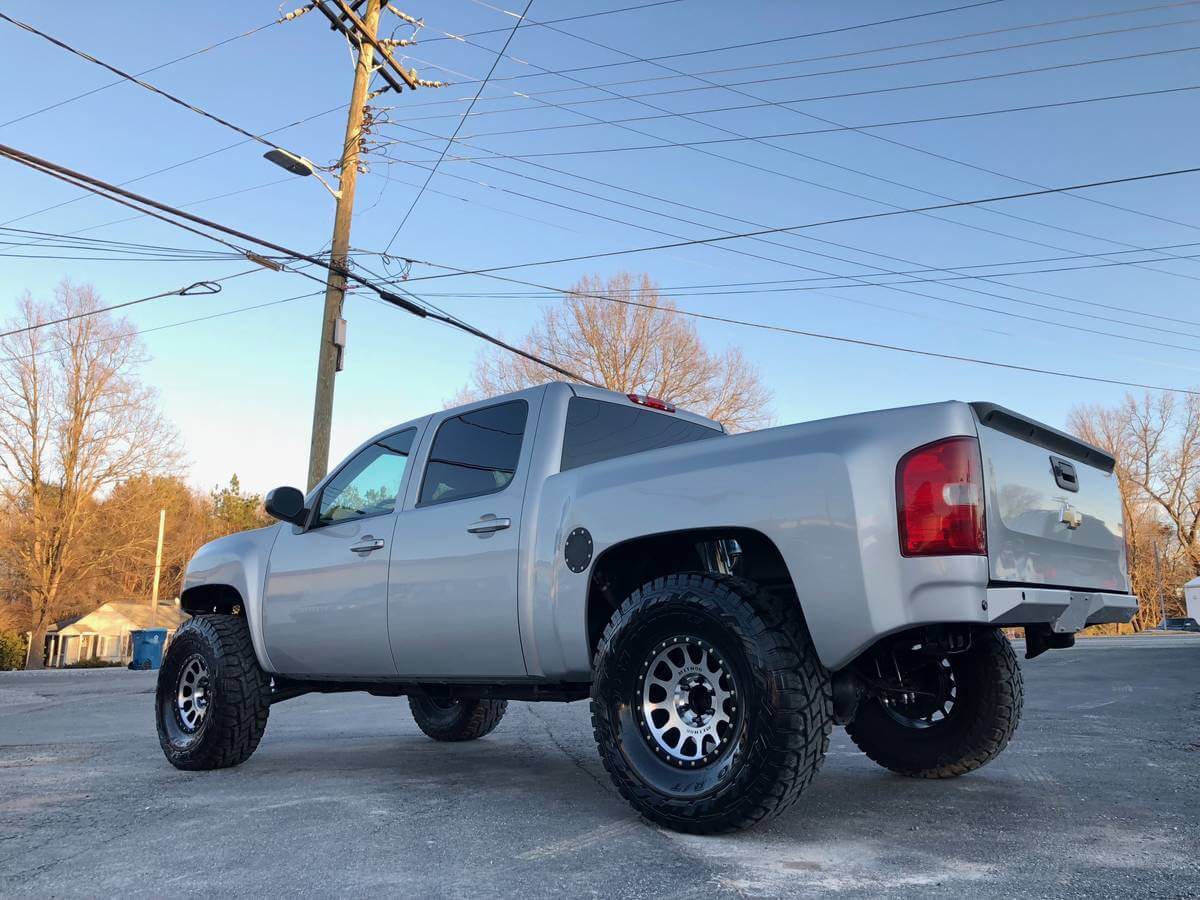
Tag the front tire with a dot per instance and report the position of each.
(985, 693)
(709, 705)
(456, 720)
(213, 698)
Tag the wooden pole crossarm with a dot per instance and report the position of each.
(379, 48)
(336, 23)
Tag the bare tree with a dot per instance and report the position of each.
(1156, 444)
(74, 422)
(642, 346)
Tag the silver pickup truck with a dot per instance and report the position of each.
(723, 600)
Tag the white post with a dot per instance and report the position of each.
(162, 522)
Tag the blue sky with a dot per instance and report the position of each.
(240, 387)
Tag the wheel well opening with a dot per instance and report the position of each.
(625, 567)
(211, 598)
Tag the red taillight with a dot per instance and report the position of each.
(939, 496)
(652, 402)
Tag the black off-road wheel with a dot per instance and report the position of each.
(213, 698)
(709, 705)
(965, 711)
(456, 720)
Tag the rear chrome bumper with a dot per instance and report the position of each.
(1065, 611)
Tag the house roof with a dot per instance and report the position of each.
(136, 615)
(169, 615)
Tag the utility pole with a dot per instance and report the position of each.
(162, 524)
(333, 327)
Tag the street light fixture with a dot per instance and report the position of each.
(298, 165)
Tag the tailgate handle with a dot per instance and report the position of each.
(1064, 474)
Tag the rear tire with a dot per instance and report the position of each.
(212, 699)
(709, 705)
(989, 694)
(456, 720)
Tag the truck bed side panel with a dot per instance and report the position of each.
(823, 492)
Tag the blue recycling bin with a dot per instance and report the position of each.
(147, 647)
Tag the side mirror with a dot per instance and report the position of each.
(285, 504)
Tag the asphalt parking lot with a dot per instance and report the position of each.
(1099, 796)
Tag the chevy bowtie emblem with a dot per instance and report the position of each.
(1071, 517)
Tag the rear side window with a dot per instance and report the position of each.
(597, 431)
(475, 454)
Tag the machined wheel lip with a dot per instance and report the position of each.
(699, 696)
(193, 694)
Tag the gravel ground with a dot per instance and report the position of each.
(1097, 797)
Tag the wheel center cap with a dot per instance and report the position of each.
(694, 700)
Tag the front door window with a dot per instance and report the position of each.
(367, 485)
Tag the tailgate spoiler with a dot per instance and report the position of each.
(1027, 429)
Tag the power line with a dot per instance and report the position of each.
(889, 285)
(890, 124)
(72, 241)
(861, 342)
(1008, 313)
(791, 151)
(603, 12)
(654, 60)
(178, 165)
(723, 289)
(859, 218)
(163, 65)
(724, 217)
(784, 103)
(198, 288)
(131, 334)
(450, 142)
(133, 78)
(861, 281)
(841, 55)
(116, 193)
(549, 23)
(1004, 312)
(78, 231)
(761, 43)
(680, 73)
(100, 186)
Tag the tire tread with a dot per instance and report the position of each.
(774, 635)
(243, 701)
(999, 713)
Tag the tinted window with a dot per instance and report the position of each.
(369, 483)
(475, 453)
(597, 430)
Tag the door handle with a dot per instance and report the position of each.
(368, 545)
(488, 524)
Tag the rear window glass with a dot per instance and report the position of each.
(597, 431)
(475, 453)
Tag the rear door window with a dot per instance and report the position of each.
(596, 431)
(475, 453)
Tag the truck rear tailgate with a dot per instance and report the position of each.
(1053, 507)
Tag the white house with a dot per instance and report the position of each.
(104, 633)
(1191, 595)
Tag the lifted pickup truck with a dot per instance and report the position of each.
(724, 600)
